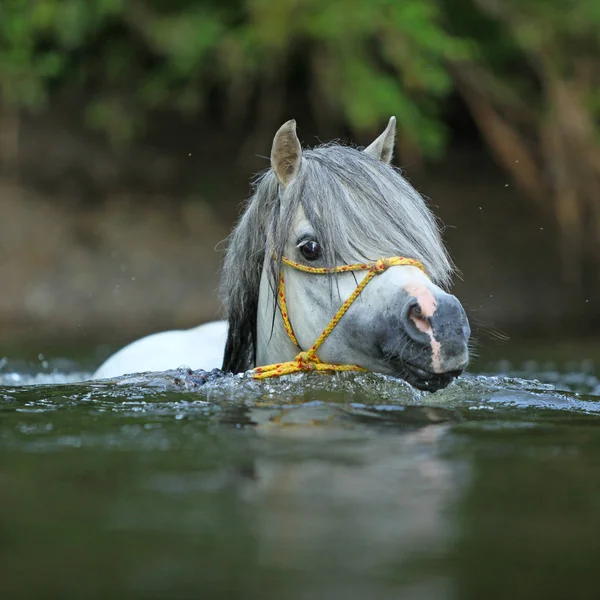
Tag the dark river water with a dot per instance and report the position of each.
(317, 487)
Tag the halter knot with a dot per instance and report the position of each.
(306, 361)
(381, 265)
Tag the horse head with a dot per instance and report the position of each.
(319, 222)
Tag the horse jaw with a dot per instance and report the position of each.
(273, 342)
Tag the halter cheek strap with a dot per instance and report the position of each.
(309, 361)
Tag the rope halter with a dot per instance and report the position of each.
(309, 361)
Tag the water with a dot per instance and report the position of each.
(352, 486)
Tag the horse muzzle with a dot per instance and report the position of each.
(428, 347)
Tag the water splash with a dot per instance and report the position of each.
(355, 397)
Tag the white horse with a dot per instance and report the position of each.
(318, 210)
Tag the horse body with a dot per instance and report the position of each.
(319, 209)
(201, 347)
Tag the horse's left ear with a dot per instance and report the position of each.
(383, 147)
(286, 153)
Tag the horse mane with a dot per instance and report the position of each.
(360, 208)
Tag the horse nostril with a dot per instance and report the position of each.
(415, 311)
(419, 320)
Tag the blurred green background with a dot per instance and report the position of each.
(129, 131)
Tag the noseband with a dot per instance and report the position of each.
(309, 361)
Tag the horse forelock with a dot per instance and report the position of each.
(360, 209)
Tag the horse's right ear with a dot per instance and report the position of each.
(383, 147)
(286, 153)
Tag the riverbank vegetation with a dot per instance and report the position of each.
(527, 73)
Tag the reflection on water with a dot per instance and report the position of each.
(353, 486)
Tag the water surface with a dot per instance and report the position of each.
(350, 486)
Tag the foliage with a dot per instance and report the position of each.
(367, 59)
(37, 39)
(535, 100)
(528, 72)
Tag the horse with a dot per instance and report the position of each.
(334, 245)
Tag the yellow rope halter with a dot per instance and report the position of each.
(308, 361)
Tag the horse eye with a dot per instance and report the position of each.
(311, 250)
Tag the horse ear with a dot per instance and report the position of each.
(383, 147)
(286, 153)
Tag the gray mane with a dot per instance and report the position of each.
(360, 209)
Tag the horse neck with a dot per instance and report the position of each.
(273, 343)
